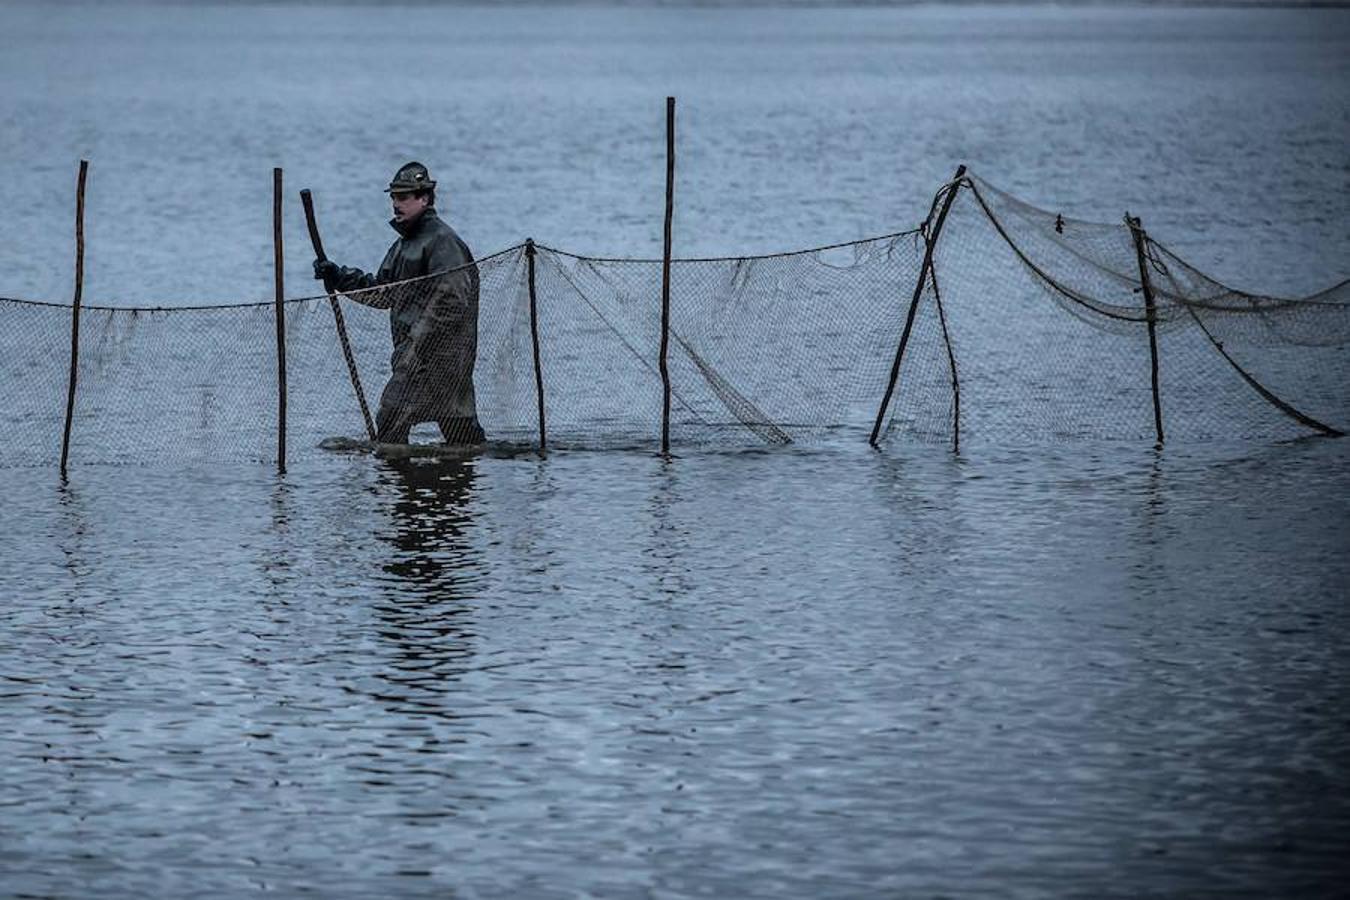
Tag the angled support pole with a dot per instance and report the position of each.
(530, 252)
(930, 241)
(951, 365)
(75, 315)
(1151, 314)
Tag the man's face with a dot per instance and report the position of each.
(408, 206)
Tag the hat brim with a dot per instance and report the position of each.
(410, 188)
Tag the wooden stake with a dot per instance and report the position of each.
(278, 266)
(665, 276)
(75, 314)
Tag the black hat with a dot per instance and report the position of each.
(412, 177)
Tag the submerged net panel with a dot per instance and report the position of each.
(194, 384)
(598, 349)
(34, 364)
(181, 384)
(791, 348)
(771, 350)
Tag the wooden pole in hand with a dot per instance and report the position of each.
(75, 314)
(308, 202)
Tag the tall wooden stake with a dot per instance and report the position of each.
(665, 275)
(278, 266)
(1151, 312)
(930, 241)
(534, 340)
(308, 202)
(75, 314)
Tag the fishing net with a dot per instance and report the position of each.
(773, 349)
(1048, 324)
(998, 320)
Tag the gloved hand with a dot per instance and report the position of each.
(326, 270)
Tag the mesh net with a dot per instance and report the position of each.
(773, 349)
(1048, 323)
(1025, 327)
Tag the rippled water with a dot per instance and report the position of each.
(738, 675)
(1074, 669)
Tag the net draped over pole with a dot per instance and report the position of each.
(1151, 314)
(1018, 325)
(926, 279)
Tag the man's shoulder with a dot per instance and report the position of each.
(440, 229)
(442, 246)
(450, 243)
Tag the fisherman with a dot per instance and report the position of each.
(434, 321)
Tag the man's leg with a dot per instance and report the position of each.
(461, 430)
(395, 417)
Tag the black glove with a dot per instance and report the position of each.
(326, 270)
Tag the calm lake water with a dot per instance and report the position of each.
(1062, 670)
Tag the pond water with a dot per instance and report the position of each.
(1085, 669)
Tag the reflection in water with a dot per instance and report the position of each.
(71, 536)
(66, 712)
(1149, 538)
(432, 575)
(278, 561)
(665, 556)
(668, 584)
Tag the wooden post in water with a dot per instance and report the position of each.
(278, 267)
(930, 242)
(534, 340)
(1151, 312)
(308, 202)
(665, 276)
(75, 314)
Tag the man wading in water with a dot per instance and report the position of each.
(434, 321)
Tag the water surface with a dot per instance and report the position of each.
(1062, 669)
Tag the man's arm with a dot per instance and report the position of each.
(348, 280)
